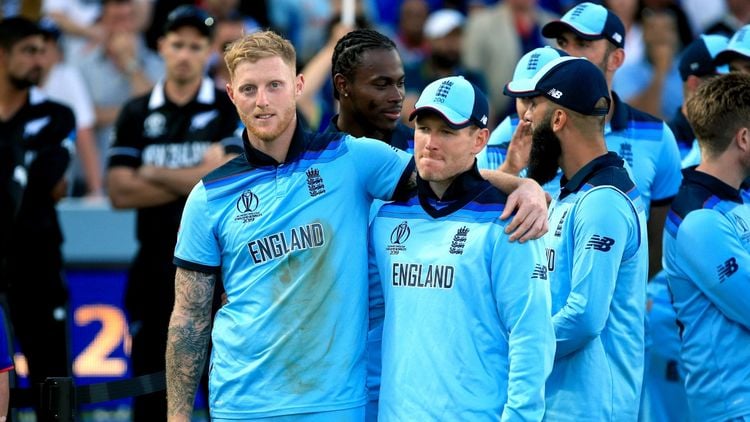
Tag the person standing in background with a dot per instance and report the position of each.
(40, 131)
(165, 141)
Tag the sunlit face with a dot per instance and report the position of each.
(24, 62)
(376, 92)
(740, 64)
(442, 153)
(265, 94)
(185, 52)
(594, 50)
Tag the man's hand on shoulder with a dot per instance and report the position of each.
(529, 201)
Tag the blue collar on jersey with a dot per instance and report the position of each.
(712, 184)
(620, 115)
(296, 148)
(610, 159)
(462, 190)
(399, 138)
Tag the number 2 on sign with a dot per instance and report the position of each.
(95, 360)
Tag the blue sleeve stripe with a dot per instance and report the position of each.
(711, 202)
(672, 223)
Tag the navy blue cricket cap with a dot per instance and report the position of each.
(572, 82)
(457, 100)
(698, 57)
(589, 21)
(192, 16)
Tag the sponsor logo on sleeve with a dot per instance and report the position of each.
(600, 243)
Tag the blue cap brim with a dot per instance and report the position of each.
(453, 119)
(727, 55)
(556, 28)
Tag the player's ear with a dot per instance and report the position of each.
(341, 85)
(230, 93)
(559, 119)
(481, 136)
(742, 138)
(299, 85)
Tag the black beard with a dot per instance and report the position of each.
(22, 83)
(445, 61)
(544, 159)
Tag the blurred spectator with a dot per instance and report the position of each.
(629, 13)
(409, 36)
(40, 128)
(303, 22)
(443, 33)
(226, 31)
(317, 102)
(63, 83)
(737, 15)
(118, 68)
(494, 41)
(702, 13)
(166, 140)
(78, 21)
(653, 83)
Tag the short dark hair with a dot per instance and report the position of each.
(13, 30)
(719, 108)
(347, 54)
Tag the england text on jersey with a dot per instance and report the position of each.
(279, 244)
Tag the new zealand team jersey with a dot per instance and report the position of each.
(597, 259)
(467, 334)
(289, 240)
(151, 130)
(645, 143)
(707, 261)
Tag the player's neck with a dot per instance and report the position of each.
(579, 153)
(181, 93)
(11, 99)
(349, 123)
(729, 173)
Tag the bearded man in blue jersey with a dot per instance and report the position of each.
(597, 253)
(467, 331)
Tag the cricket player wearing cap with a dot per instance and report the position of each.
(597, 256)
(467, 331)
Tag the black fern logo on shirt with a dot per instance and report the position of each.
(459, 241)
(315, 182)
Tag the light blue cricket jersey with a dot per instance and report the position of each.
(598, 265)
(645, 143)
(467, 334)
(289, 241)
(707, 261)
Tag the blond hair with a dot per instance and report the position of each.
(719, 108)
(259, 45)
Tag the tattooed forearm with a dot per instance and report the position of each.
(187, 341)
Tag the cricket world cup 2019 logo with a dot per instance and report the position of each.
(399, 236)
(246, 205)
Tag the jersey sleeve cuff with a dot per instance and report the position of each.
(662, 202)
(193, 266)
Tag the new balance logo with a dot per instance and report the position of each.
(540, 272)
(554, 93)
(558, 230)
(728, 268)
(617, 37)
(600, 243)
